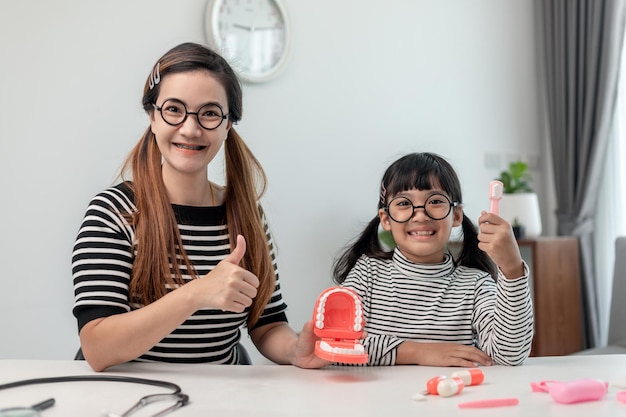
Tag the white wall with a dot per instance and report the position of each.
(367, 82)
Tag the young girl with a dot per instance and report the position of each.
(422, 306)
(168, 266)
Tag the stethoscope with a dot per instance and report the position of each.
(33, 411)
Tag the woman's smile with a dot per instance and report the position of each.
(189, 147)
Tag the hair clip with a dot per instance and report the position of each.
(383, 193)
(155, 76)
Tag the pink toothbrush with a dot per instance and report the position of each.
(496, 189)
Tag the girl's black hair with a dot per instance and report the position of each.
(414, 171)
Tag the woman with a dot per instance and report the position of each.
(168, 266)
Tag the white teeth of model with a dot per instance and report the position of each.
(358, 310)
(358, 349)
(325, 346)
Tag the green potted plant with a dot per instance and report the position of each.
(516, 179)
(519, 204)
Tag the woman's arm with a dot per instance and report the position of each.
(120, 338)
(123, 337)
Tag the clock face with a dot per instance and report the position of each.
(252, 35)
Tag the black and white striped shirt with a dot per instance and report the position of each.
(441, 303)
(103, 258)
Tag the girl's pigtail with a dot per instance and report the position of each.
(367, 243)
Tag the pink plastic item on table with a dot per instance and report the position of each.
(338, 321)
(571, 392)
(490, 403)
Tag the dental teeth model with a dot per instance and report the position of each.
(338, 317)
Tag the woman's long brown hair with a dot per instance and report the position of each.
(156, 230)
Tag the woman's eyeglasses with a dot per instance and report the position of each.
(174, 112)
(436, 206)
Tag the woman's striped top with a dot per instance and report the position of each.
(101, 266)
(441, 303)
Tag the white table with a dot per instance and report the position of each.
(218, 390)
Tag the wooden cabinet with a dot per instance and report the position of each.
(554, 264)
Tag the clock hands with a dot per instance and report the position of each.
(252, 28)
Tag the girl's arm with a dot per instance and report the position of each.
(503, 318)
(503, 315)
(441, 354)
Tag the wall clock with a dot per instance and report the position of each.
(252, 35)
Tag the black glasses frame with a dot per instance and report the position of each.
(450, 206)
(187, 113)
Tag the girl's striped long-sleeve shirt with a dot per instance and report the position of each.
(444, 303)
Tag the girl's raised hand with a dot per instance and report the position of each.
(496, 238)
